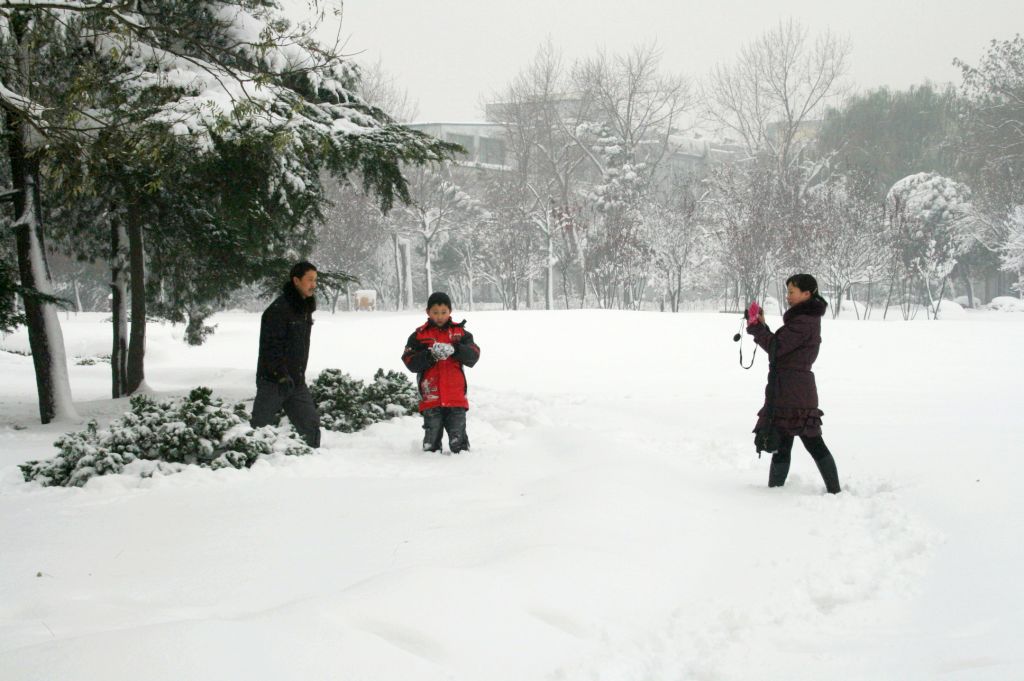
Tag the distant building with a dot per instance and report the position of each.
(697, 154)
(485, 143)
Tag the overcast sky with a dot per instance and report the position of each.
(449, 54)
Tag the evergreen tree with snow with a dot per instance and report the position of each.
(216, 77)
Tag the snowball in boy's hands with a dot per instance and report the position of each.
(441, 350)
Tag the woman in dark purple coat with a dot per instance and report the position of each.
(791, 397)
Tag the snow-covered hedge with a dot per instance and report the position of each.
(347, 404)
(197, 429)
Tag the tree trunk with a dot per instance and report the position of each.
(583, 279)
(44, 333)
(942, 292)
(135, 377)
(549, 271)
(78, 296)
(679, 290)
(118, 308)
(407, 263)
(398, 272)
(426, 263)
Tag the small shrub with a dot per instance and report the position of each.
(391, 394)
(197, 429)
(347, 404)
(339, 398)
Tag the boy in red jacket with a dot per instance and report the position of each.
(437, 352)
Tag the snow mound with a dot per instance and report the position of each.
(1006, 304)
(951, 310)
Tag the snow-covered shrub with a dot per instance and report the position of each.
(391, 394)
(347, 404)
(339, 398)
(949, 309)
(197, 429)
(1006, 304)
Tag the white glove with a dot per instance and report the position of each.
(442, 350)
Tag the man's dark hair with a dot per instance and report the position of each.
(439, 298)
(804, 282)
(299, 269)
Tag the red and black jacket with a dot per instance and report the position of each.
(441, 383)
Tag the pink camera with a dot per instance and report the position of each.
(752, 313)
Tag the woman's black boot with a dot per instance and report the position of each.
(778, 471)
(827, 468)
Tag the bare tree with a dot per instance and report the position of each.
(779, 83)
(350, 237)
(634, 112)
(743, 209)
(379, 88)
(674, 228)
(539, 110)
(844, 234)
(636, 106)
(437, 204)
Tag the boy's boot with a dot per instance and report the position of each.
(779, 470)
(433, 428)
(455, 424)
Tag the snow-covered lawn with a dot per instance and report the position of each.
(612, 521)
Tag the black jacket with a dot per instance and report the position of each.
(284, 337)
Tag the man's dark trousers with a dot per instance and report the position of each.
(297, 403)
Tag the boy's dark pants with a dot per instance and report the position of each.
(298, 405)
(440, 419)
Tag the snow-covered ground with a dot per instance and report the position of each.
(612, 521)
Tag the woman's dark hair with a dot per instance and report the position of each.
(299, 269)
(804, 282)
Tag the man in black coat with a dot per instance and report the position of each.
(284, 350)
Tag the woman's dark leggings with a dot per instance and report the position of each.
(819, 452)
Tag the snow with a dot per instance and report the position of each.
(612, 521)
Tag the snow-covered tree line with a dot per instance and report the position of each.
(899, 199)
(182, 143)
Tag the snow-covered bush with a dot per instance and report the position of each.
(949, 309)
(347, 404)
(924, 209)
(1006, 304)
(391, 394)
(197, 429)
(339, 399)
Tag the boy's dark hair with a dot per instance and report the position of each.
(299, 269)
(804, 282)
(439, 298)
